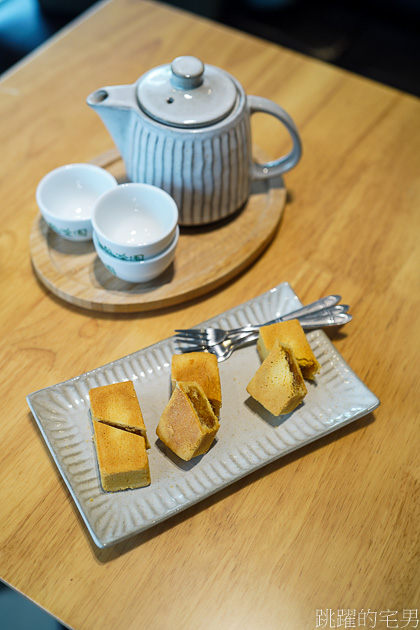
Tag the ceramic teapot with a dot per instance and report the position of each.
(185, 127)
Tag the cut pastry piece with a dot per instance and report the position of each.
(292, 334)
(201, 367)
(278, 383)
(122, 458)
(117, 404)
(188, 424)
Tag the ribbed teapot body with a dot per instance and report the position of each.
(206, 170)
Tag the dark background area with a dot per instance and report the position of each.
(378, 39)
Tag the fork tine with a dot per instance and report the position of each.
(192, 334)
(189, 331)
(191, 340)
(201, 338)
(196, 348)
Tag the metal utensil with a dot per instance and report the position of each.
(224, 349)
(325, 307)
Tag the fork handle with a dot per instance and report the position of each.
(310, 323)
(309, 309)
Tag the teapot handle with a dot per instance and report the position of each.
(286, 162)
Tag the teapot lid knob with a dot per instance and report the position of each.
(187, 72)
(187, 93)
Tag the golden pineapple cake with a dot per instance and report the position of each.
(278, 384)
(202, 368)
(117, 404)
(292, 334)
(122, 458)
(188, 424)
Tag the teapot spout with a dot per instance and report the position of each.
(114, 106)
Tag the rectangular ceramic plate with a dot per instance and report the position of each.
(248, 437)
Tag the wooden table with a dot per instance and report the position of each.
(334, 525)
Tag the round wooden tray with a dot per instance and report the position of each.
(206, 257)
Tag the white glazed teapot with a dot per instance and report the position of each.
(185, 127)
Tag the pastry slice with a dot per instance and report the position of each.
(292, 334)
(122, 458)
(117, 404)
(202, 368)
(278, 384)
(188, 424)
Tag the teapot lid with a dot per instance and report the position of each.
(187, 93)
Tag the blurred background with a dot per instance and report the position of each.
(378, 39)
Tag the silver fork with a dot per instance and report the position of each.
(224, 349)
(324, 307)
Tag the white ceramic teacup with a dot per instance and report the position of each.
(66, 197)
(135, 221)
(137, 271)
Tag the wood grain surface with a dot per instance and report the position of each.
(336, 524)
